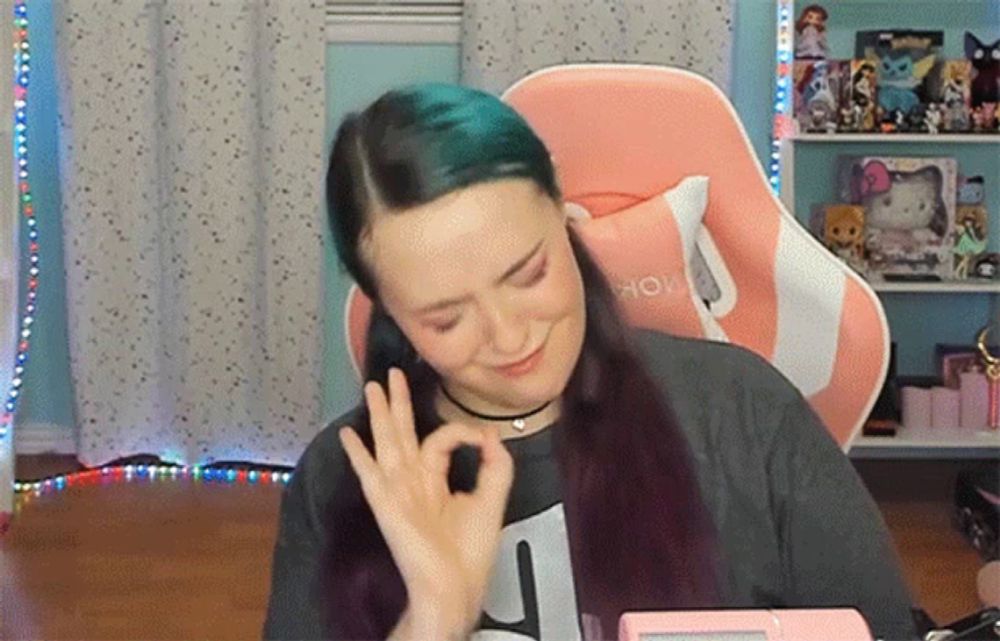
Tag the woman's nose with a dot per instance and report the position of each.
(508, 330)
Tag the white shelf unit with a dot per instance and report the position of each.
(944, 287)
(929, 444)
(986, 139)
(908, 444)
(787, 150)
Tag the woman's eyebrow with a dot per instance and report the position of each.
(448, 302)
(520, 263)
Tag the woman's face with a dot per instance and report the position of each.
(484, 283)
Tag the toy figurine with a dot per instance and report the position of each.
(953, 92)
(916, 119)
(989, 116)
(899, 119)
(984, 117)
(810, 33)
(970, 237)
(971, 190)
(988, 267)
(986, 65)
(844, 233)
(862, 93)
(851, 117)
(933, 118)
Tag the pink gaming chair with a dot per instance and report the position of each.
(620, 134)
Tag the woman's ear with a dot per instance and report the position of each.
(573, 212)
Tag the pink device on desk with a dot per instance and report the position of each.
(745, 625)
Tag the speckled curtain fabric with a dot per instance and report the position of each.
(504, 40)
(192, 161)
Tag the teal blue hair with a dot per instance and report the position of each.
(416, 144)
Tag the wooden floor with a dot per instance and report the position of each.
(183, 560)
(169, 560)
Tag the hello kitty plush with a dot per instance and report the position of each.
(909, 213)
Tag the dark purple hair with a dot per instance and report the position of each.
(640, 536)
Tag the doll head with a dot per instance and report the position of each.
(971, 219)
(844, 226)
(813, 16)
(913, 200)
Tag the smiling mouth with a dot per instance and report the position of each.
(523, 361)
(523, 366)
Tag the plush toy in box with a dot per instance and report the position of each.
(909, 205)
(904, 60)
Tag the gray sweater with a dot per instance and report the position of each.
(796, 526)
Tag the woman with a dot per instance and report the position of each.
(524, 465)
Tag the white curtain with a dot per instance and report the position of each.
(504, 40)
(191, 158)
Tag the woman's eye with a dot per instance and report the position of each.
(537, 275)
(442, 328)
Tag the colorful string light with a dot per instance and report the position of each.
(782, 92)
(114, 474)
(26, 208)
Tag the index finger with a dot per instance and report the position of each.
(360, 458)
(401, 408)
(387, 447)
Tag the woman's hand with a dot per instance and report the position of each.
(443, 544)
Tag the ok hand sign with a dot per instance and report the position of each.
(443, 544)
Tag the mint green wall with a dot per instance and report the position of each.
(47, 394)
(752, 84)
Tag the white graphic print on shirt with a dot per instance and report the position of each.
(532, 595)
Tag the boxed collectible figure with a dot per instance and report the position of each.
(950, 92)
(858, 111)
(904, 60)
(909, 207)
(818, 85)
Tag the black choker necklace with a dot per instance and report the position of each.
(517, 420)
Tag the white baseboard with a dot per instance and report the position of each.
(44, 438)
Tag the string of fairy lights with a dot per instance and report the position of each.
(26, 208)
(783, 126)
(110, 475)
